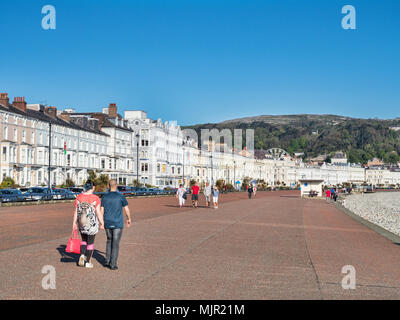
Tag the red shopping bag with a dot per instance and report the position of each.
(74, 243)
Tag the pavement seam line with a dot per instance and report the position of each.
(365, 285)
(310, 258)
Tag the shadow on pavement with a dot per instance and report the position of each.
(73, 257)
(188, 206)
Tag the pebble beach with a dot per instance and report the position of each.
(381, 208)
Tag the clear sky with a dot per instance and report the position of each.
(205, 61)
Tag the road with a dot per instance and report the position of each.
(276, 246)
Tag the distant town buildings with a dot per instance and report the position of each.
(158, 153)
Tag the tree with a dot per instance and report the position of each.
(192, 182)
(101, 182)
(220, 184)
(69, 183)
(8, 183)
(391, 158)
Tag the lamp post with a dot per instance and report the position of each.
(234, 173)
(137, 159)
(183, 160)
(212, 171)
(49, 169)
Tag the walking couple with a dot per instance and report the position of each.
(91, 213)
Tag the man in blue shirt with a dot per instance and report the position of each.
(112, 205)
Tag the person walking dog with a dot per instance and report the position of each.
(112, 205)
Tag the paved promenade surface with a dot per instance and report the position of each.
(276, 246)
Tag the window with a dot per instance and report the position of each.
(145, 167)
(23, 136)
(4, 153)
(103, 163)
(15, 135)
(5, 133)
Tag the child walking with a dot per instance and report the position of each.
(215, 197)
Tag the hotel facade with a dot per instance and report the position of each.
(136, 147)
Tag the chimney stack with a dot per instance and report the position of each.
(65, 116)
(20, 103)
(112, 110)
(4, 100)
(51, 111)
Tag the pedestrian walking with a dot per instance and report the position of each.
(181, 195)
(87, 219)
(215, 194)
(250, 190)
(113, 203)
(254, 191)
(328, 195)
(195, 194)
(335, 194)
(207, 194)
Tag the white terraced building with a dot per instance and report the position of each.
(107, 142)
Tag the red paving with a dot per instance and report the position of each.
(276, 246)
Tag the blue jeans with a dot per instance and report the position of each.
(113, 239)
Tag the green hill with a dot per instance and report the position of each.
(361, 139)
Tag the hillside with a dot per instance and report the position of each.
(361, 139)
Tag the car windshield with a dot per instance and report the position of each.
(37, 190)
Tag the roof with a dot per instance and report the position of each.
(107, 123)
(41, 116)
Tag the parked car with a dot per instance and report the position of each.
(158, 191)
(125, 190)
(38, 193)
(154, 191)
(63, 194)
(11, 195)
(170, 190)
(141, 192)
(76, 190)
(23, 189)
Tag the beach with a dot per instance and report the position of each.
(381, 208)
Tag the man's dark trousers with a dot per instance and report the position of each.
(113, 239)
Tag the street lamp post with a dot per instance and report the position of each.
(49, 169)
(137, 160)
(212, 171)
(183, 160)
(234, 174)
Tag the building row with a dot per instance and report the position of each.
(39, 142)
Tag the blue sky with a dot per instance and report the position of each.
(205, 61)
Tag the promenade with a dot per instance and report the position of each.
(276, 246)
